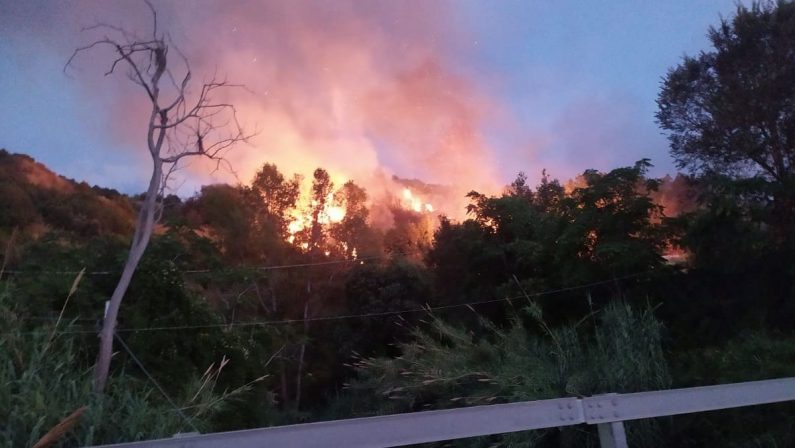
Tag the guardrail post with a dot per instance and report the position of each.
(603, 411)
(612, 435)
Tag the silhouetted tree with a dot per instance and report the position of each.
(180, 125)
(609, 231)
(353, 233)
(730, 110)
(274, 197)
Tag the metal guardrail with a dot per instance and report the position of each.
(606, 411)
(614, 408)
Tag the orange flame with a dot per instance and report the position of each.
(335, 213)
(330, 214)
(411, 202)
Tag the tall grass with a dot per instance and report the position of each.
(446, 366)
(44, 377)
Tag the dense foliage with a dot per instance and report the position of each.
(276, 311)
(44, 378)
(581, 273)
(446, 366)
(731, 110)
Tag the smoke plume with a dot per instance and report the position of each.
(366, 90)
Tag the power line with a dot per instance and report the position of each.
(297, 265)
(157, 385)
(368, 315)
(355, 316)
(205, 271)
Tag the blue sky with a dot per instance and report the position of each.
(573, 83)
(586, 74)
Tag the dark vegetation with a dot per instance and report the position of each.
(540, 293)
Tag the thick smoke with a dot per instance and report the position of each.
(366, 90)
(361, 89)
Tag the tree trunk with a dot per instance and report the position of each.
(195, 124)
(143, 232)
(285, 396)
(301, 357)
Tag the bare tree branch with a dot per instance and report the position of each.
(154, 18)
(183, 128)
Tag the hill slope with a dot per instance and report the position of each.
(35, 199)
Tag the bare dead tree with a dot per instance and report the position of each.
(181, 125)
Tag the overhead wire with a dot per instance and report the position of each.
(205, 271)
(156, 384)
(355, 316)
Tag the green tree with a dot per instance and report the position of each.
(274, 197)
(16, 206)
(376, 288)
(223, 212)
(181, 125)
(610, 230)
(353, 232)
(520, 188)
(548, 194)
(730, 114)
(730, 110)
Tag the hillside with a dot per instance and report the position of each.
(35, 200)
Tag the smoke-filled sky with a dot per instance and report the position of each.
(464, 93)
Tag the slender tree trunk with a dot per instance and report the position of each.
(147, 61)
(314, 241)
(301, 355)
(285, 396)
(143, 232)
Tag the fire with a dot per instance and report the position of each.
(330, 214)
(335, 214)
(301, 218)
(333, 210)
(413, 203)
(296, 226)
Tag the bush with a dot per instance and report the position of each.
(447, 366)
(42, 380)
(748, 357)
